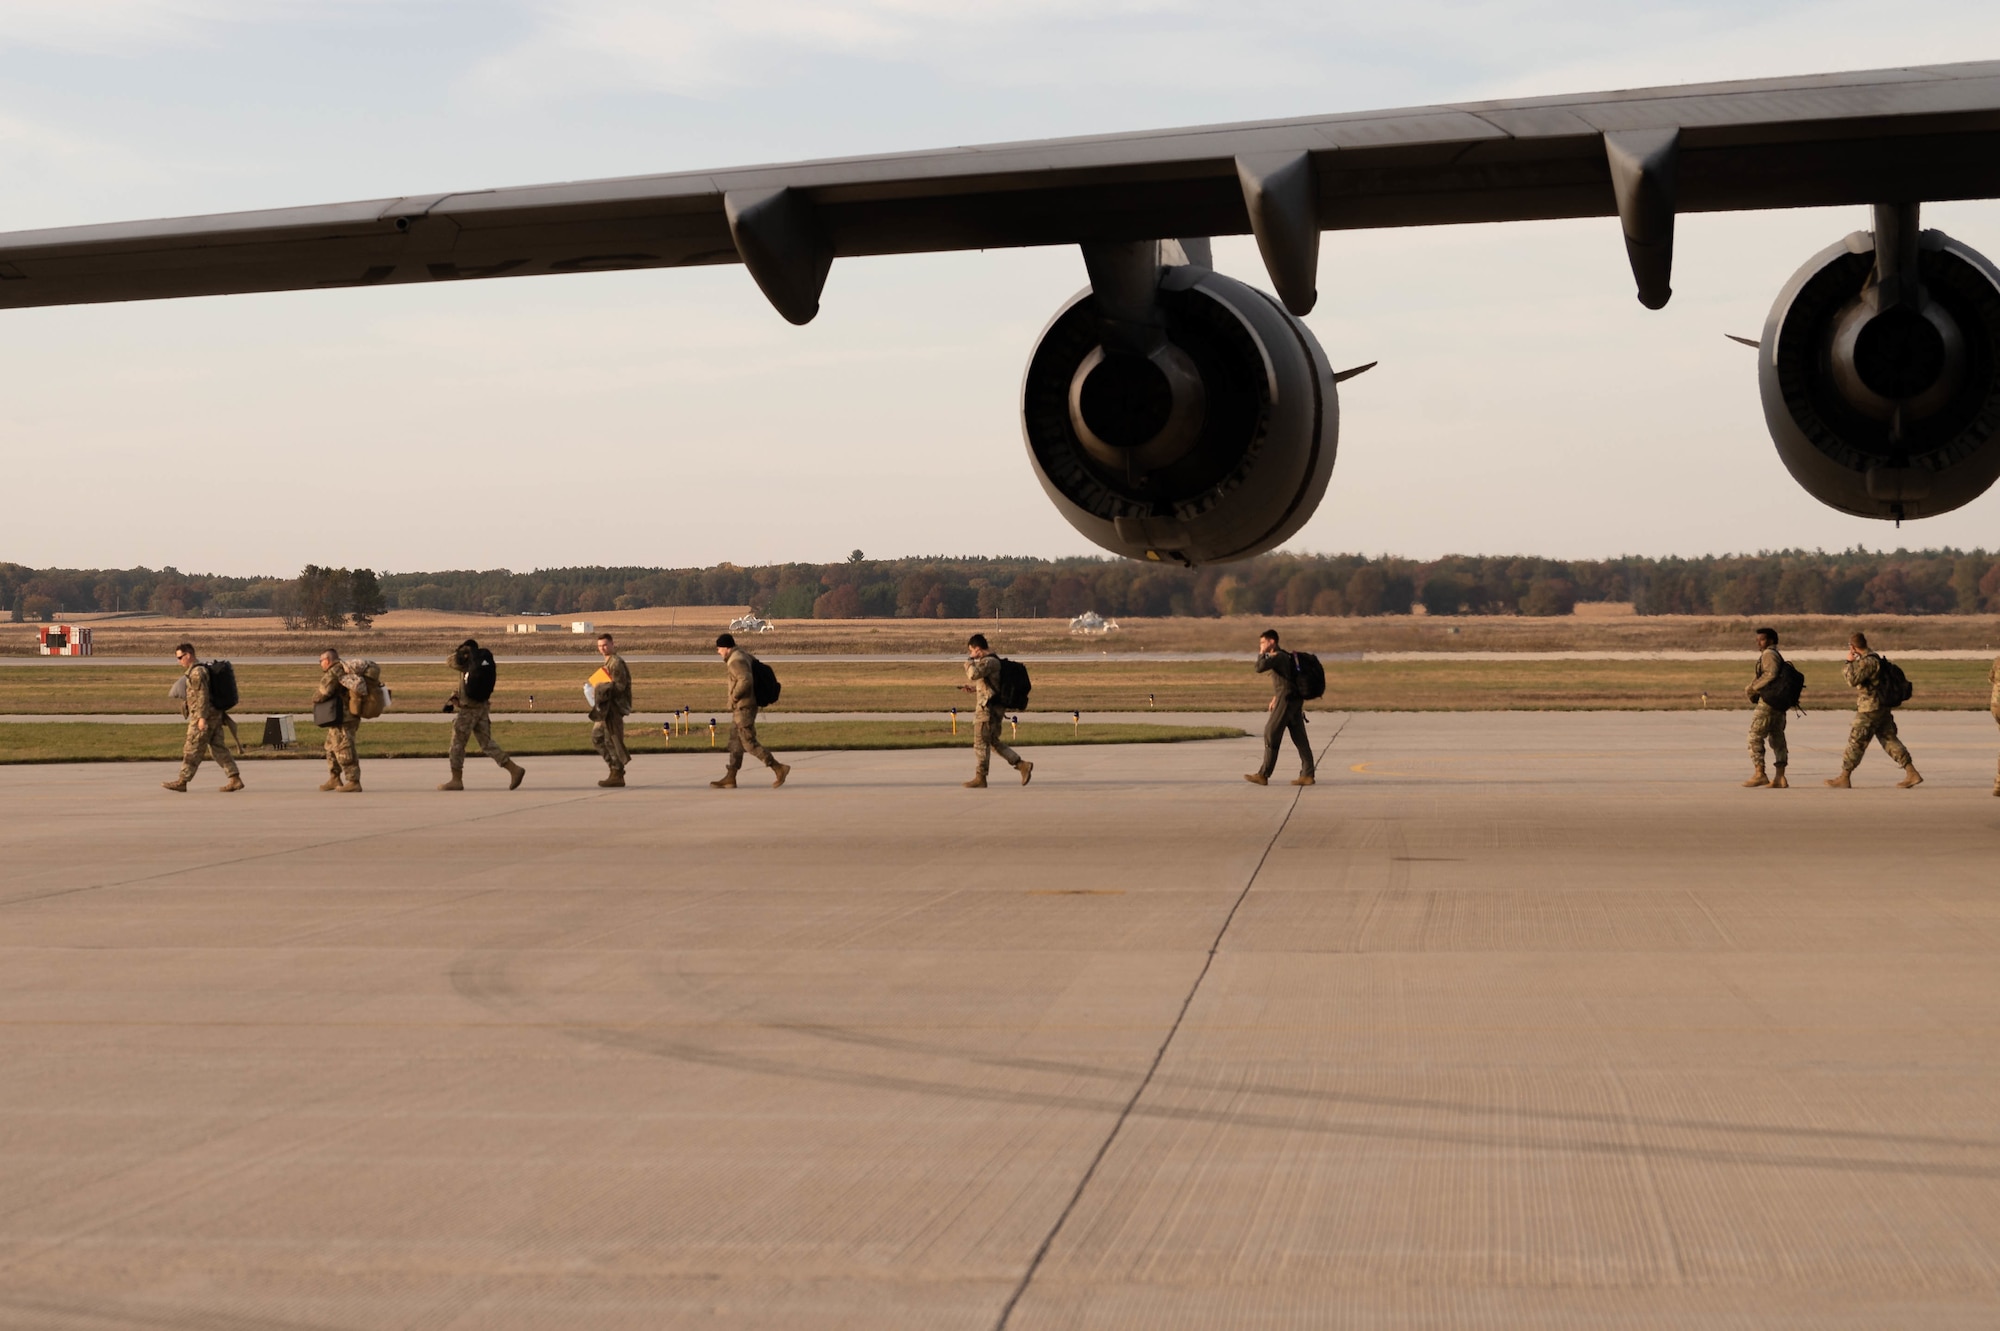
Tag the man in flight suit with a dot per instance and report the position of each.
(343, 760)
(610, 704)
(743, 715)
(1286, 712)
(205, 725)
(1872, 717)
(982, 681)
(1767, 722)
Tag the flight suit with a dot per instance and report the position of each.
(743, 714)
(607, 716)
(1767, 722)
(983, 673)
(1287, 714)
(1873, 718)
(343, 760)
(203, 741)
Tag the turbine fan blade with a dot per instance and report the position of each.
(1746, 341)
(1342, 376)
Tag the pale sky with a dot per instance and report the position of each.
(1526, 403)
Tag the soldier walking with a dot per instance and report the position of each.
(1767, 722)
(1285, 713)
(982, 681)
(205, 726)
(471, 717)
(1993, 678)
(1873, 718)
(343, 760)
(743, 715)
(611, 702)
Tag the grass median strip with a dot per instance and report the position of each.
(86, 741)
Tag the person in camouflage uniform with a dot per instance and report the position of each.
(1767, 722)
(1993, 678)
(205, 726)
(1873, 718)
(982, 681)
(610, 705)
(473, 720)
(743, 715)
(343, 760)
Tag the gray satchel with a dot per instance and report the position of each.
(327, 712)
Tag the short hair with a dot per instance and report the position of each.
(725, 640)
(469, 645)
(329, 651)
(187, 647)
(1859, 639)
(1772, 634)
(604, 637)
(978, 640)
(1272, 634)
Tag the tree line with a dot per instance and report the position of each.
(1856, 581)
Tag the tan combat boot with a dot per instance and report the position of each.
(1778, 781)
(613, 782)
(1910, 778)
(233, 783)
(179, 784)
(331, 783)
(1757, 778)
(1304, 779)
(1026, 769)
(977, 783)
(349, 788)
(728, 782)
(515, 774)
(1840, 782)
(780, 771)
(1257, 778)
(457, 781)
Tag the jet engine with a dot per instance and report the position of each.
(1879, 368)
(1186, 417)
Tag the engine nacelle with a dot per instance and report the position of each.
(1213, 447)
(1886, 407)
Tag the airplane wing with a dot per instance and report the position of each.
(1898, 135)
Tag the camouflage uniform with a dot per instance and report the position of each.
(471, 720)
(1288, 715)
(343, 762)
(983, 673)
(743, 713)
(1993, 678)
(607, 716)
(203, 741)
(1767, 722)
(1872, 717)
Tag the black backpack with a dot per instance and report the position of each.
(481, 676)
(1783, 693)
(764, 686)
(1308, 676)
(1892, 686)
(1012, 688)
(222, 695)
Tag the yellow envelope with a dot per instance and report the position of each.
(602, 676)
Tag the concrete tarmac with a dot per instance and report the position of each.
(1514, 1020)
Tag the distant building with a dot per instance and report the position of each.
(582, 626)
(533, 628)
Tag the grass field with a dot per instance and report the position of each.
(1087, 685)
(84, 741)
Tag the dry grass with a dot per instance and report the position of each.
(1086, 685)
(692, 629)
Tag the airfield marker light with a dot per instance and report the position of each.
(531, 702)
(954, 721)
(1076, 723)
(711, 732)
(1015, 721)
(1151, 702)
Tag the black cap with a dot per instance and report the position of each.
(725, 640)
